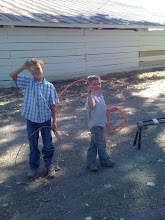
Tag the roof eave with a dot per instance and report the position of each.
(66, 25)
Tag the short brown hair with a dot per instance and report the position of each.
(93, 77)
(36, 61)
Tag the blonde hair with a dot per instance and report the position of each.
(36, 61)
(93, 77)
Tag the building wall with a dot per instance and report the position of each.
(151, 49)
(76, 53)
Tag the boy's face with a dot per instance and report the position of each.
(96, 85)
(37, 72)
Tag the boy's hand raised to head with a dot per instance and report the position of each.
(15, 73)
(27, 65)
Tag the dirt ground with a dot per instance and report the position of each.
(133, 190)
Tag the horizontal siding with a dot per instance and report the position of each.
(111, 56)
(112, 61)
(26, 31)
(151, 53)
(149, 34)
(111, 50)
(152, 40)
(152, 43)
(64, 39)
(152, 49)
(151, 37)
(69, 53)
(52, 60)
(4, 55)
(47, 53)
(151, 58)
(150, 67)
(94, 32)
(152, 63)
(39, 46)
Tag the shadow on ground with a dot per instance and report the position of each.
(133, 189)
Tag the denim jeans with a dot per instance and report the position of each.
(98, 144)
(33, 137)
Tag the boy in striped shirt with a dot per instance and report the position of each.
(38, 108)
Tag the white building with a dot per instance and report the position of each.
(76, 38)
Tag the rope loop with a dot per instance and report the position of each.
(109, 126)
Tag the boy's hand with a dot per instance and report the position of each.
(54, 127)
(114, 109)
(17, 71)
(89, 88)
(27, 65)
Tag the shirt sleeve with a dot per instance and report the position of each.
(22, 81)
(53, 96)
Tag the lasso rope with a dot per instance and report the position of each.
(109, 126)
(34, 133)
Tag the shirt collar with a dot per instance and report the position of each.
(99, 93)
(42, 82)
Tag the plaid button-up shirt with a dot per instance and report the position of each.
(38, 97)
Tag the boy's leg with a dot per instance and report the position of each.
(91, 154)
(100, 143)
(34, 156)
(48, 148)
(92, 151)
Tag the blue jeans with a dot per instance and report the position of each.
(98, 144)
(33, 137)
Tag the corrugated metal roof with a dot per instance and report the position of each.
(109, 12)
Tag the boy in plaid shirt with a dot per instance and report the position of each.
(38, 108)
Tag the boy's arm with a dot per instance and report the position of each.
(54, 116)
(15, 72)
(90, 99)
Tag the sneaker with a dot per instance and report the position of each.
(31, 173)
(51, 171)
(109, 164)
(92, 167)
